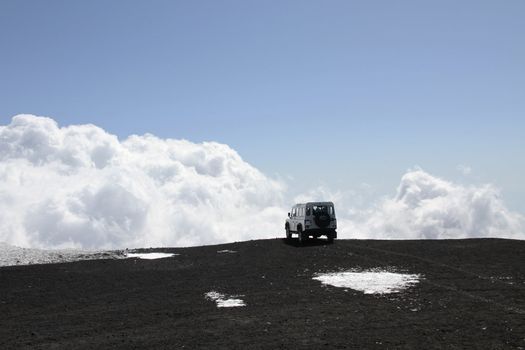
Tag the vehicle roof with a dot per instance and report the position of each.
(314, 203)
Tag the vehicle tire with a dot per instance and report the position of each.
(301, 235)
(322, 220)
(330, 237)
(288, 233)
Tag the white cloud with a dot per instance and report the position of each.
(427, 207)
(79, 186)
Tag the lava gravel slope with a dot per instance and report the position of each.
(471, 295)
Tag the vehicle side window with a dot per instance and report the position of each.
(308, 211)
(301, 212)
(331, 210)
(294, 211)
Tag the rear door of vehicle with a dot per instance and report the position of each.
(320, 210)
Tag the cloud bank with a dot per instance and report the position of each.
(81, 187)
(427, 207)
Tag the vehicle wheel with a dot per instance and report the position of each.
(301, 235)
(330, 237)
(322, 219)
(288, 234)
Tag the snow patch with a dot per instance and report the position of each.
(226, 251)
(150, 256)
(370, 281)
(12, 255)
(222, 301)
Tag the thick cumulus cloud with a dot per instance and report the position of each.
(427, 207)
(79, 186)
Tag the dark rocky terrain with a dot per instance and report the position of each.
(472, 296)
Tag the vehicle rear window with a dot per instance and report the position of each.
(321, 209)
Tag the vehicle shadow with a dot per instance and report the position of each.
(294, 242)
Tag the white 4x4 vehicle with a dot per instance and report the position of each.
(313, 219)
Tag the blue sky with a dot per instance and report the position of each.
(363, 89)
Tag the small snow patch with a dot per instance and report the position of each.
(226, 251)
(150, 256)
(222, 301)
(370, 281)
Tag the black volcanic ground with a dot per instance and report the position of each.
(472, 296)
